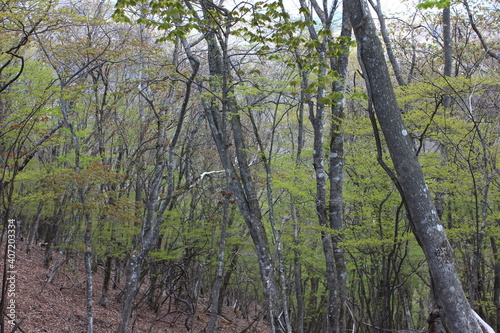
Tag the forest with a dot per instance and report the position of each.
(313, 166)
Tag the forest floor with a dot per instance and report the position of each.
(59, 307)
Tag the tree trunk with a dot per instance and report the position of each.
(334, 198)
(227, 275)
(88, 274)
(336, 176)
(66, 108)
(241, 181)
(299, 292)
(496, 283)
(155, 208)
(34, 229)
(388, 45)
(103, 301)
(132, 272)
(272, 220)
(219, 276)
(448, 60)
(426, 224)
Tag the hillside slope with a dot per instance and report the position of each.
(59, 307)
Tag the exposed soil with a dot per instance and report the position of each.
(59, 306)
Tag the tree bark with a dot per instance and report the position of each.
(299, 291)
(103, 301)
(34, 229)
(224, 119)
(388, 45)
(336, 176)
(426, 224)
(329, 204)
(448, 60)
(478, 33)
(215, 307)
(496, 283)
(155, 206)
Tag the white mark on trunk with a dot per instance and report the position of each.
(483, 324)
(404, 132)
(333, 155)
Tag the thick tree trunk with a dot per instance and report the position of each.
(132, 272)
(103, 301)
(426, 223)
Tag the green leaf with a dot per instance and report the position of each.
(431, 4)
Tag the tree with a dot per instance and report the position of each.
(425, 221)
(174, 152)
(157, 201)
(323, 72)
(16, 29)
(225, 122)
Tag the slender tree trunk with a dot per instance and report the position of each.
(448, 60)
(227, 275)
(297, 266)
(272, 220)
(241, 184)
(34, 229)
(248, 202)
(496, 283)
(299, 292)
(155, 208)
(88, 273)
(478, 33)
(219, 276)
(426, 224)
(336, 177)
(321, 212)
(312, 303)
(388, 45)
(51, 231)
(66, 107)
(317, 114)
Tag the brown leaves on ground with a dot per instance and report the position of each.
(59, 307)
